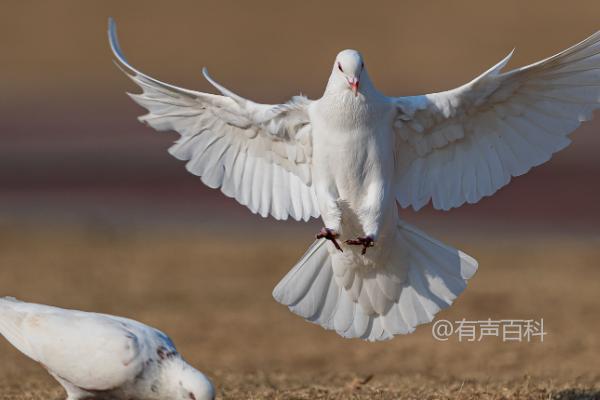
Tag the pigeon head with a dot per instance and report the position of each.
(347, 70)
(187, 383)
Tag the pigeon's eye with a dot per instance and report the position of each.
(340, 67)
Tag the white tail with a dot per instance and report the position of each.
(423, 277)
(11, 319)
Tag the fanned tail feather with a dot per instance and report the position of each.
(422, 277)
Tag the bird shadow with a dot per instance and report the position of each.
(577, 394)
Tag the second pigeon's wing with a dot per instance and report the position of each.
(91, 351)
(258, 154)
(463, 144)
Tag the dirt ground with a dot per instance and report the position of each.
(212, 295)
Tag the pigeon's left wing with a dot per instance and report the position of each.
(259, 154)
(463, 144)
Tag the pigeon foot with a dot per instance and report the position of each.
(330, 234)
(365, 242)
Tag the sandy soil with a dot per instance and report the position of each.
(213, 296)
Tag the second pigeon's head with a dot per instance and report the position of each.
(348, 71)
(184, 382)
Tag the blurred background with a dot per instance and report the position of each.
(95, 214)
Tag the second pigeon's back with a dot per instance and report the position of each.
(61, 339)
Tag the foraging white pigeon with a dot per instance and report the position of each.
(98, 356)
(354, 154)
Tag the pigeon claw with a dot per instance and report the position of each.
(365, 242)
(330, 234)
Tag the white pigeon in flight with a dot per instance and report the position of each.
(98, 356)
(354, 154)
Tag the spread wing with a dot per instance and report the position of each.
(90, 351)
(259, 154)
(463, 144)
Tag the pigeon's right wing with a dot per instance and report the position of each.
(91, 351)
(259, 154)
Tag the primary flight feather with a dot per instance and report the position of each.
(354, 154)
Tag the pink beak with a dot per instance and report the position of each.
(354, 85)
